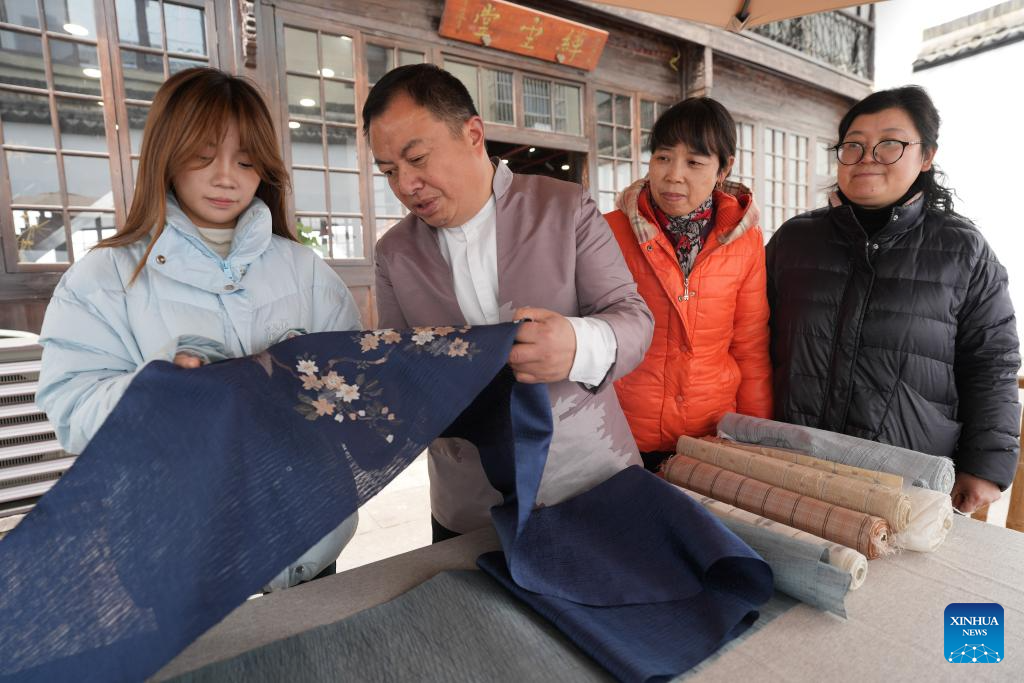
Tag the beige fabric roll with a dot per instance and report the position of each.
(885, 478)
(931, 519)
(839, 556)
(874, 499)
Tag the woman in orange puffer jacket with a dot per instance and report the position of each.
(694, 247)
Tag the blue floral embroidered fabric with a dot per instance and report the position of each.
(203, 484)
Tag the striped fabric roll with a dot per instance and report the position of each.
(839, 556)
(919, 469)
(863, 532)
(874, 499)
(874, 476)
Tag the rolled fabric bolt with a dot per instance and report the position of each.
(874, 476)
(875, 499)
(839, 556)
(863, 532)
(918, 469)
(930, 520)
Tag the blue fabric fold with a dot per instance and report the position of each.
(203, 484)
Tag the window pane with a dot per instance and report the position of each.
(33, 178)
(186, 31)
(646, 114)
(76, 67)
(20, 12)
(467, 74)
(497, 95)
(308, 187)
(23, 58)
(337, 57)
(26, 119)
(623, 175)
(77, 15)
(385, 203)
(605, 175)
(342, 151)
(340, 104)
(88, 181)
(379, 61)
(136, 124)
(345, 192)
(605, 144)
(176, 64)
(307, 144)
(606, 201)
(567, 108)
(347, 237)
(81, 125)
(311, 232)
(300, 50)
(623, 112)
(304, 97)
(409, 57)
(41, 237)
(537, 103)
(604, 107)
(88, 228)
(138, 23)
(623, 146)
(143, 74)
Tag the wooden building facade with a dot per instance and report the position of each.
(76, 79)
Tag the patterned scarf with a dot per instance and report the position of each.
(686, 233)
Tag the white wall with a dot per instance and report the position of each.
(981, 140)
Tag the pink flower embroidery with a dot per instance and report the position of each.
(348, 392)
(323, 407)
(307, 367)
(333, 380)
(458, 347)
(369, 342)
(311, 382)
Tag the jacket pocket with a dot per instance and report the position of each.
(913, 422)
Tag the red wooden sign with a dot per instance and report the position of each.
(524, 31)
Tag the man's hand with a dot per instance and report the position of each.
(184, 360)
(545, 347)
(971, 492)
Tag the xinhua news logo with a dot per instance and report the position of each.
(974, 633)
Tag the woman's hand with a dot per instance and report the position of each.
(971, 492)
(185, 360)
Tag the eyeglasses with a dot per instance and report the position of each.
(885, 152)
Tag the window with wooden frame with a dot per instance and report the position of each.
(785, 177)
(743, 166)
(614, 146)
(155, 40)
(73, 73)
(56, 137)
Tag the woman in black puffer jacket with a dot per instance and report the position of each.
(891, 318)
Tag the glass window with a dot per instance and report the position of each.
(785, 178)
(320, 92)
(57, 128)
(614, 146)
(743, 167)
(20, 12)
(490, 89)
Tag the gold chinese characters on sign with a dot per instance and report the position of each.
(512, 28)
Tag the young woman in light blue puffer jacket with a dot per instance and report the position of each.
(204, 267)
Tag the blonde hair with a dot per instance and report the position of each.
(188, 108)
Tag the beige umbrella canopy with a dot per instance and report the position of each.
(734, 15)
